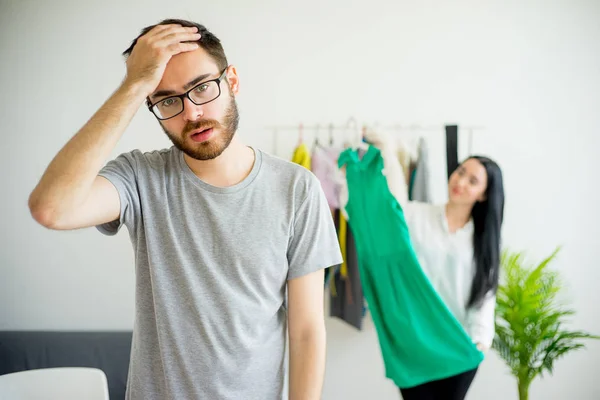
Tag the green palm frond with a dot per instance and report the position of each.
(530, 321)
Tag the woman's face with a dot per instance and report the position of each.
(467, 185)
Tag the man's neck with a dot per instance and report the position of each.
(228, 169)
(457, 215)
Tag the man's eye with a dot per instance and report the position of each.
(168, 102)
(201, 88)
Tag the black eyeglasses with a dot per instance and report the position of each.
(202, 93)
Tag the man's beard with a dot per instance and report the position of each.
(213, 147)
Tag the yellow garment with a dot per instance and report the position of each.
(343, 230)
(302, 156)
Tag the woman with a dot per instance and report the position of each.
(458, 247)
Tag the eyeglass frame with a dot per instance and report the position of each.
(187, 94)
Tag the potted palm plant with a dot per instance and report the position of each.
(530, 320)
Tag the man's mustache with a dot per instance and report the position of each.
(203, 124)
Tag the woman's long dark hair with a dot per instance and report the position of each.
(487, 220)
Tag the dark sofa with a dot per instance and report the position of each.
(108, 351)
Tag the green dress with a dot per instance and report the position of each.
(419, 337)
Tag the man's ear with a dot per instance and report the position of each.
(233, 79)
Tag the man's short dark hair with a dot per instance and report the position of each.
(209, 42)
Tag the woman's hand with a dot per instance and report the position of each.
(381, 140)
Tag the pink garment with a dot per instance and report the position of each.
(324, 166)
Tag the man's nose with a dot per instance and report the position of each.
(191, 111)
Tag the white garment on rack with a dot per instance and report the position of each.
(421, 187)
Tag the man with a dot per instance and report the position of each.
(230, 243)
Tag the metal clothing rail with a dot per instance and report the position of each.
(326, 128)
(352, 127)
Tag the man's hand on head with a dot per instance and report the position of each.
(152, 52)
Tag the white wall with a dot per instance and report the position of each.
(527, 71)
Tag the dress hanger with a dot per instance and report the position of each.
(300, 134)
(330, 134)
(350, 126)
(361, 144)
(316, 143)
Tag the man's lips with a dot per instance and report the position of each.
(201, 135)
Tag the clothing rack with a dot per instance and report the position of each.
(325, 128)
(352, 125)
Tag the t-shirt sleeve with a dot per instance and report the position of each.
(313, 244)
(122, 173)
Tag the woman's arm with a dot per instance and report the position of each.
(392, 170)
(481, 323)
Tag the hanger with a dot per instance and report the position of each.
(331, 134)
(300, 134)
(361, 143)
(353, 136)
(350, 124)
(316, 142)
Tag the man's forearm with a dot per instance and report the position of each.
(307, 365)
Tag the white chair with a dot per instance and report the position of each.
(54, 384)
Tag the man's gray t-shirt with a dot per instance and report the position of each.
(211, 271)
